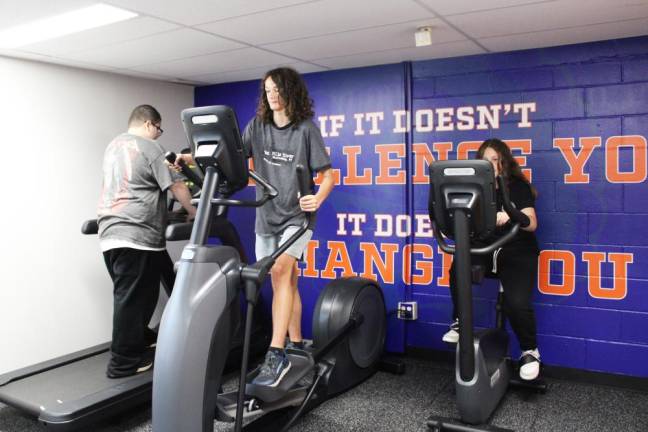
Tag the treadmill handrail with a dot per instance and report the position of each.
(89, 227)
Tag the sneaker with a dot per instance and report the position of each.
(275, 366)
(530, 365)
(145, 364)
(452, 335)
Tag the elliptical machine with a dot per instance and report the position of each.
(348, 320)
(462, 206)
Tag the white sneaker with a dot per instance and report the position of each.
(530, 365)
(452, 335)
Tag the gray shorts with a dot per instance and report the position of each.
(266, 244)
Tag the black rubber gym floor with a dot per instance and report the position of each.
(402, 403)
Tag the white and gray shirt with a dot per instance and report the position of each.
(132, 207)
(276, 152)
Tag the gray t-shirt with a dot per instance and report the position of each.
(276, 152)
(132, 207)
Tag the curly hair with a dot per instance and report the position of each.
(293, 92)
(509, 168)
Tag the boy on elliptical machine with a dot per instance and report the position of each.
(281, 136)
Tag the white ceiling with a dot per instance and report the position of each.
(214, 41)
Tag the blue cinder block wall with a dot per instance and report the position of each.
(595, 90)
(578, 114)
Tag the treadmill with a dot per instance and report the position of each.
(71, 392)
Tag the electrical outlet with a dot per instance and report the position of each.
(407, 311)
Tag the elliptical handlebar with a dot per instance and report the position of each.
(519, 219)
(269, 192)
(304, 189)
(171, 157)
(257, 272)
(303, 181)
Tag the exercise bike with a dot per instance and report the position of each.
(349, 320)
(462, 206)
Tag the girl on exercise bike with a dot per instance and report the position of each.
(515, 264)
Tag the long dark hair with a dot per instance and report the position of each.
(293, 91)
(509, 168)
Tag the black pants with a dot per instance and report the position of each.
(517, 270)
(167, 272)
(136, 285)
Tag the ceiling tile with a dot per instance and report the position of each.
(107, 35)
(254, 73)
(219, 62)
(559, 14)
(315, 19)
(21, 12)
(450, 7)
(202, 11)
(168, 46)
(137, 74)
(451, 49)
(588, 33)
(368, 40)
(330, 33)
(53, 60)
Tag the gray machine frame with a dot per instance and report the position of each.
(197, 320)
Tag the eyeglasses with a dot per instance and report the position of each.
(158, 128)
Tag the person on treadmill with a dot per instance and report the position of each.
(132, 218)
(515, 264)
(280, 136)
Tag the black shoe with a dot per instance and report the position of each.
(274, 368)
(145, 364)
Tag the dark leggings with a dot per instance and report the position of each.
(517, 271)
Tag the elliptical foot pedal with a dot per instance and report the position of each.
(538, 385)
(438, 424)
(301, 363)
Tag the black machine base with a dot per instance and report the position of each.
(390, 364)
(438, 424)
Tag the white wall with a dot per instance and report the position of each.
(55, 293)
